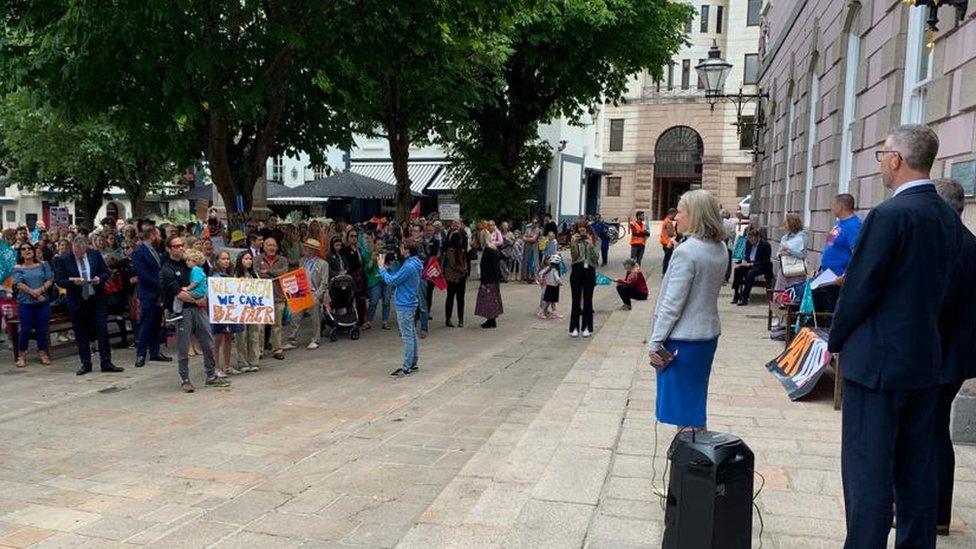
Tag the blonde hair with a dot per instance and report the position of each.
(704, 219)
(195, 256)
(484, 239)
(794, 223)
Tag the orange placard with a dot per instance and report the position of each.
(297, 290)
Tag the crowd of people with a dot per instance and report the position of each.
(151, 281)
(897, 295)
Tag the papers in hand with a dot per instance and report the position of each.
(825, 278)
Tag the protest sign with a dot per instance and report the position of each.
(448, 211)
(241, 301)
(297, 290)
(800, 366)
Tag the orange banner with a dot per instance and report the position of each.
(297, 290)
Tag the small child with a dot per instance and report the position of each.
(550, 281)
(198, 282)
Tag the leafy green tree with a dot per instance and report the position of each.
(46, 151)
(407, 67)
(564, 55)
(232, 78)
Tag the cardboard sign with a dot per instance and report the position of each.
(800, 366)
(449, 211)
(241, 301)
(297, 290)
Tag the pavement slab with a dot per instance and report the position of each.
(513, 437)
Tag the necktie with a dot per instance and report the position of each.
(86, 290)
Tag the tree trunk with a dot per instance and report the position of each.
(89, 207)
(400, 155)
(137, 200)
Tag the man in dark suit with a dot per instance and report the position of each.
(757, 263)
(958, 331)
(887, 328)
(146, 263)
(83, 273)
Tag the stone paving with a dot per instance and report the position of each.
(515, 437)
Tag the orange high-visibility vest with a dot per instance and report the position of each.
(637, 233)
(667, 231)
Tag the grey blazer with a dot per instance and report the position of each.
(687, 307)
(319, 279)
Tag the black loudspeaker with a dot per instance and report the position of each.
(709, 503)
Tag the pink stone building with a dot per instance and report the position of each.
(840, 73)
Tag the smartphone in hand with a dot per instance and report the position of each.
(666, 356)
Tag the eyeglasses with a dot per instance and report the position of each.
(176, 246)
(879, 155)
(27, 249)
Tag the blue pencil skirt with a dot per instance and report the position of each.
(682, 388)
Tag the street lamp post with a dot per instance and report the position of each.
(934, 5)
(713, 73)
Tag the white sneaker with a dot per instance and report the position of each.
(586, 333)
(574, 333)
(288, 346)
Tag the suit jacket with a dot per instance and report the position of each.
(764, 255)
(319, 278)
(146, 266)
(958, 326)
(266, 270)
(65, 267)
(887, 317)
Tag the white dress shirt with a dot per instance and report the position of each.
(912, 185)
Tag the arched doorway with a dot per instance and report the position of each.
(677, 167)
(114, 210)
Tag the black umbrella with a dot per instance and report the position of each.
(206, 192)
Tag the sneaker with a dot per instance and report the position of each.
(386, 325)
(288, 346)
(220, 374)
(187, 387)
(399, 372)
(174, 318)
(233, 371)
(414, 368)
(625, 307)
(586, 333)
(574, 333)
(423, 334)
(216, 381)
(542, 315)
(312, 346)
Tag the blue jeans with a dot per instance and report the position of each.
(33, 317)
(408, 333)
(380, 292)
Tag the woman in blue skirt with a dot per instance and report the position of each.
(686, 326)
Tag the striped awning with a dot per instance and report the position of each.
(448, 179)
(422, 173)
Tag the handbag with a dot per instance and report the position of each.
(739, 249)
(793, 266)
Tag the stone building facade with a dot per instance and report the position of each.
(840, 74)
(665, 138)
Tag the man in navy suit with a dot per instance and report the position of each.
(958, 330)
(886, 327)
(757, 263)
(83, 273)
(146, 263)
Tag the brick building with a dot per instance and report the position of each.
(665, 139)
(840, 74)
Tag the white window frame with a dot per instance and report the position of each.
(913, 96)
(811, 141)
(846, 168)
(789, 154)
(278, 169)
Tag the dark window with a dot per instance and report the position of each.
(751, 69)
(670, 76)
(657, 84)
(704, 19)
(747, 134)
(701, 83)
(742, 186)
(718, 19)
(613, 186)
(752, 15)
(277, 169)
(688, 23)
(686, 74)
(617, 134)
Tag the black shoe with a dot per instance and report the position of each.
(460, 324)
(84, 369)
(448, 323)
(414, 368)
(490, 323)
(112, 368)
(161, 358)
(140, 361)
(743, 302)
(399, 372)
(735, 300)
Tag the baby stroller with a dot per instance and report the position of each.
(343, 318)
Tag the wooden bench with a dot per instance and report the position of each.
(60, 322)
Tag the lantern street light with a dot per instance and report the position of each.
(934, 5)
(713, 72)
